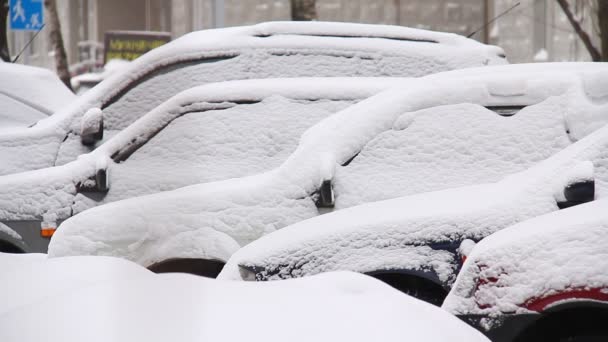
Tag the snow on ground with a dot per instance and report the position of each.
(399, 233)
(245, 209)
(29, 94)
(562, 251)
(280, 49)
(114, 300)
(212, 132)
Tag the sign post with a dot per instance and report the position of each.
(26, 15)
(129, 45)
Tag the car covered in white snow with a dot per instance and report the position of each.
(430, 134)
(416, 243)
(78, 299)
(268, 50)
(545, 279)
(208, 133)
(29, 94)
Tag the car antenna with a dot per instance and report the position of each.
(28, 43)
(493, 20)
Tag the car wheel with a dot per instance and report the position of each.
(572, 325)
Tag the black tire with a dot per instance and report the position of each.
(571, 325)
(420, 288)
(200, 267)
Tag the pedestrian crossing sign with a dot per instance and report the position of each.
(26, 15)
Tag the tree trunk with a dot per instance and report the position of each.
(61, 59)
(4, 54)
(602, 14)
(595, 54)
(303, 10)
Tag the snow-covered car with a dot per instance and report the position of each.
(276, 49)
(431, 134)
(416, 243)
(109, 299)
(545, 279)
(29, 94)
(208, 133)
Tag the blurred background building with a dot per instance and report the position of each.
(536, 30)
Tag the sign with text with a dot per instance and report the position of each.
(26, 15)
(129, 45)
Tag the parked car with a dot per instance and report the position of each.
(430, 134)
(29, 94)
(266, 50)
(414, 242)
(111, 299)
(208, 133)
(545, 279)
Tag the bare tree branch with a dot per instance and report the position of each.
(593, 51)
(4, 54)
(602, 14)
(61, 58)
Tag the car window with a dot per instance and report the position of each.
(168, 81)
(219, 144)
(450, 146)
(14, 113)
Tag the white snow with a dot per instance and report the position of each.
(281, 49)
(247, 208)
(557, 252)
(110, 299)
(214, 132)
(29, 94)
(7, 230)
(394, 234)
(85, 82)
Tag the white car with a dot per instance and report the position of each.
(106, 299)
(430, 134)
(29, 94)
(416, 243)
(542, 279)
(207, 133)
(278, 49)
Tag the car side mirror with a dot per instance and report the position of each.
(580, 188)
(91, 127)
(326, 198)
(99, 182)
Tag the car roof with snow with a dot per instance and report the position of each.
(238, 211)
(422, 232)
(29, 94)
(276, 49)
(211, 132)
(332, 306)
(553, 254)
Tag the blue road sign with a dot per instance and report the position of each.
(26, 15)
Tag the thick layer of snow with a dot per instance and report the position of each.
(28, 279)
(247, 208)
(109, 299)
(37, 85)
(397, 234)
(283, 49)
(8, 231)
(557, 252)
(29, 94)
(212, 132)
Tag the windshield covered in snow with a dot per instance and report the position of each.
(219, 144)
(452, 146)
